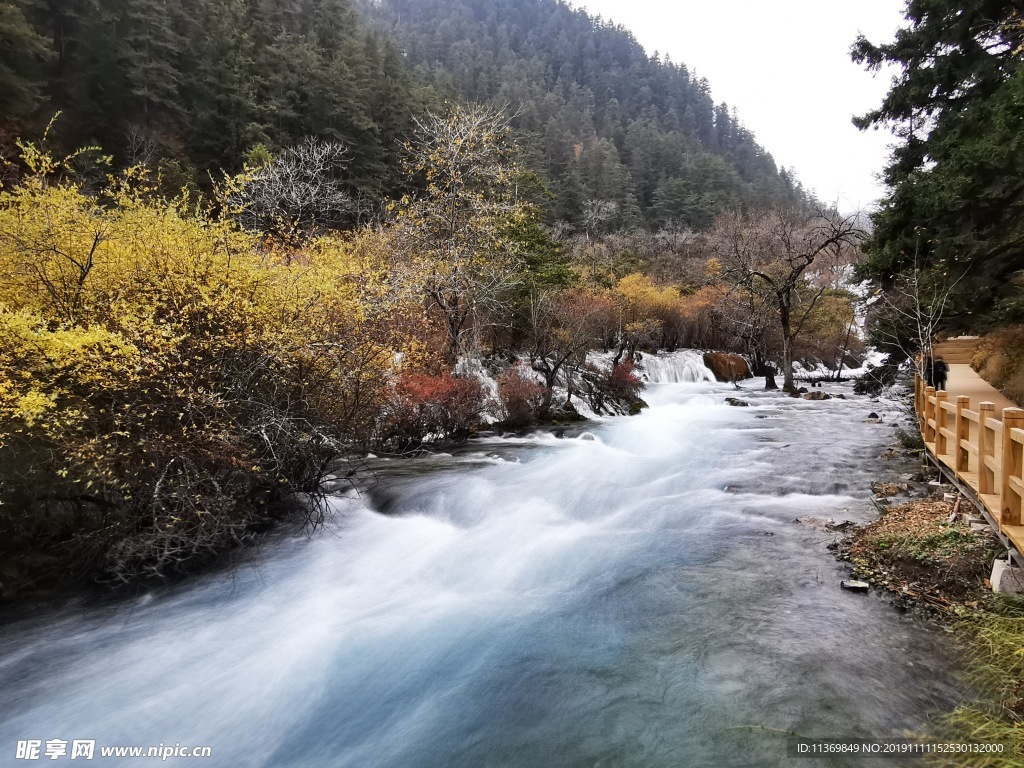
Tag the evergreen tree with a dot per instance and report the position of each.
(956, 180)
(189, 87)
(150, 48)
(577, 81)
(23, 54)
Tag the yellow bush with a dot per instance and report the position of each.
(164, 376)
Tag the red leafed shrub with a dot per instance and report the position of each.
(624, 380)
(520, 396)
(441, 407)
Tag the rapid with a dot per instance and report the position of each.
(633, 592)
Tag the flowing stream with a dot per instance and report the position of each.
(633, 594)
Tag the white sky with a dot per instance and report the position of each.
(785, 66)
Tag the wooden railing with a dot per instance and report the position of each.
(984, 453)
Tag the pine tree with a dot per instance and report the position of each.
(150, 50)
(955, 203)
(23, 55)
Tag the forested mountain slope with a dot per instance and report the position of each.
(624, 138)
(198, 83)
(621, 138)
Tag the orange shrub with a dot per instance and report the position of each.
(520, 396)
(624, 379)
(443, 407)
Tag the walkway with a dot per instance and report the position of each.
(963, 380)
(976, 436)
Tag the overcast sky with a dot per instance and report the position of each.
(785, 66)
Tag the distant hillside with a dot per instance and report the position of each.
(193, 85)
(624, 138)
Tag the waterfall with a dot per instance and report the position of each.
(675, 367)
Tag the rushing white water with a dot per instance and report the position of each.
(685, 365)
(638, 595)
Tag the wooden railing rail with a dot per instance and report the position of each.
(983, 452)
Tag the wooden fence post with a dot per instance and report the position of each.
(940, 423)
(963, 432)
(986, 448)
(918, 400)
(1012, 465)
(929, 415)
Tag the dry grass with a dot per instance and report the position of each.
(926, 556)
(916, 552)
(1000, 361)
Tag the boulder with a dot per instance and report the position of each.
(889, 489)
(737, 402)
(855, 586)
(817, 396)
(567, 412)
(1006, 578)
(636, 406)
(727, 366)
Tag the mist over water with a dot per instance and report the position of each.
(635, 595)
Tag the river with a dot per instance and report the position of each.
(633, 594)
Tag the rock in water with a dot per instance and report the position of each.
(737, 402)
(817, 396)
(854, 586)
(727, 366)
(636, 406)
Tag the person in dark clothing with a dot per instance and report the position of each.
(939, 373)
(928, 371)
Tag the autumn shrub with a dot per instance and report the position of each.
(623, 379)
(164, 381)
(520, 396)
(424, 406)
(830, 336)
(1000, 361)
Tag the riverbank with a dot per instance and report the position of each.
(53, 545)
(929, 555)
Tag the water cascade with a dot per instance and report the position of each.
(675, 367)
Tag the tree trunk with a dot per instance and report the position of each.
(758, 365)
(842, 355)
(618, 354)
(455, 317)
(788, 384)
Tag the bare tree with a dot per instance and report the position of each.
(747, 315)
(598, 216)
(301, 192)
(564, 326)
(141, 147)
(455, 240)
(906, 315)
(788, 258)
